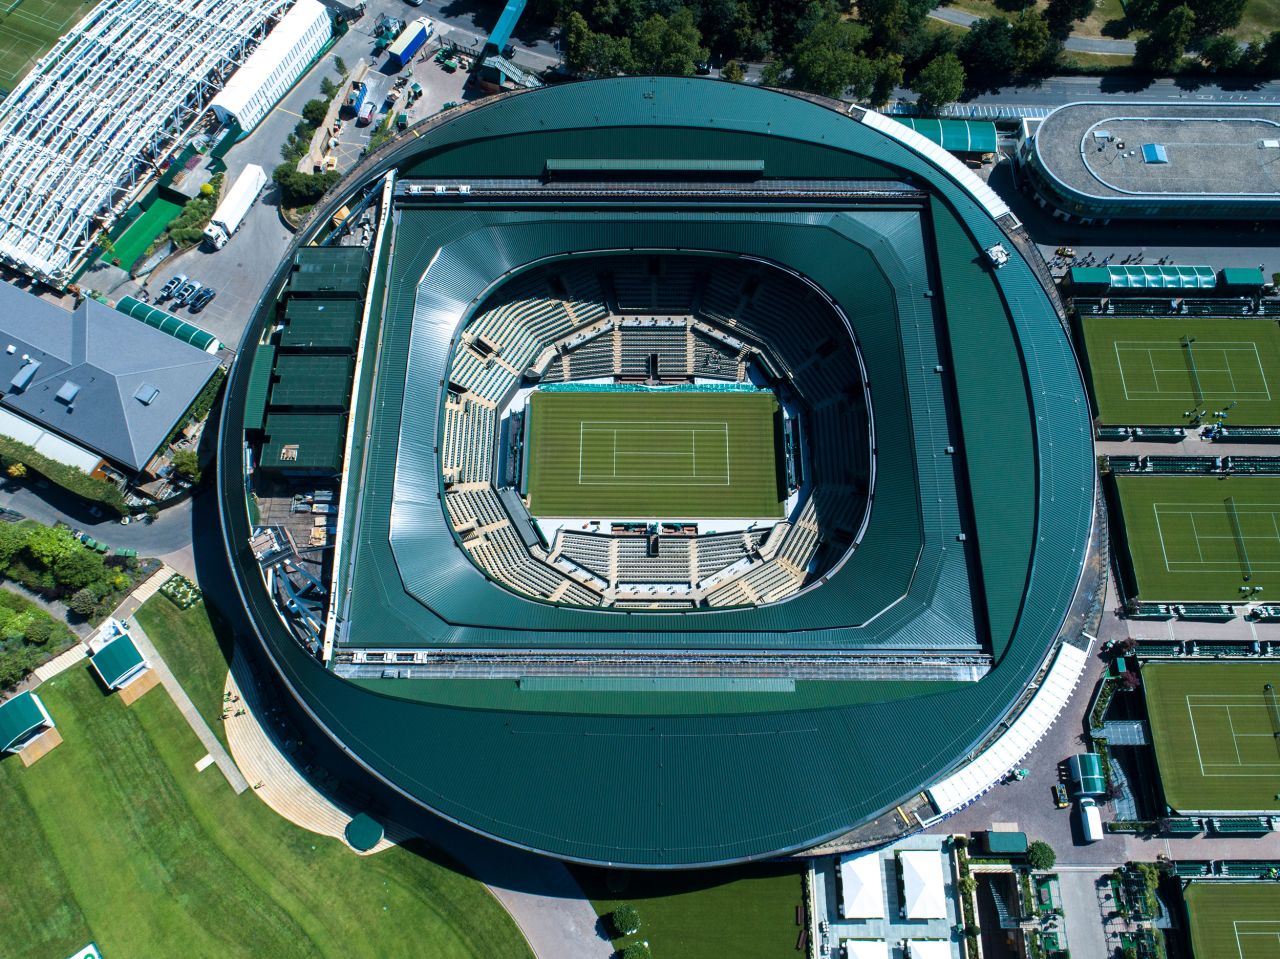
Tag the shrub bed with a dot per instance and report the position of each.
(28, 637)
(68, 477)
(181, 591)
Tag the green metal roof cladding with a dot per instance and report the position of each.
(168, 323)
(116, 660)
(547, 777)
(1006, 843)
(1242, 276)
(304, 441)
(1090, 276)
(321, 325)
(639, 165)
(331, 270)
(264, 362)
(312, 380)
(19, 716)
(959, 136)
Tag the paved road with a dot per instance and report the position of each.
(1083, 914)
(1120, 48)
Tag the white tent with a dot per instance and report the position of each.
(929, 949)
(865, 949)
(861, 887)
(923, 888)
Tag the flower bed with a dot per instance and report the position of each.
(181, 591)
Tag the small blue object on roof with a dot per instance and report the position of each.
(1154, 153)
(506, 24)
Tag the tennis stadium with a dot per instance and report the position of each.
(664, 472)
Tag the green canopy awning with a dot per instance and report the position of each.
(958, 136)
(363, 833)
(1162, 277)
(1243, 276)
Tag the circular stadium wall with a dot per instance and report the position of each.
(449, 645)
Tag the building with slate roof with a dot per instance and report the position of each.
(936, 560)
(1112, 160)
(93, 385)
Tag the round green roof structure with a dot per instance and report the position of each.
(933, 536)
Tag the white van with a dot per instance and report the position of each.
(1090, 820)
(366, 113)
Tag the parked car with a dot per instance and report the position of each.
(172, 287)
(1060, 796)
(185, 293)
(202, 299)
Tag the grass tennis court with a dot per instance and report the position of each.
(1150, 372)
(653, 455)
(28, 28)
(1237, 920)
(1214, 726)
(149, 225)
(1202, 537)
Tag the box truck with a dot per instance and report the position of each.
(410, 41)
(1090, 821)
(235, 204)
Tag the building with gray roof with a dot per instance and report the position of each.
(107, 383)
(1211, 161)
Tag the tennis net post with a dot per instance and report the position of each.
(1196, 392)
(1242, 549)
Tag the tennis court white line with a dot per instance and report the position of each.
(1214, 701)
(1237, 923)
(689, 428)
(1223, 346)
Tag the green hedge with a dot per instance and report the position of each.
(28, 637)
(70, 478)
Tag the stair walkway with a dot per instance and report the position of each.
(186, 706)
(61, 663)
(276, 780)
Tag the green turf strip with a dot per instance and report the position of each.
(135, 240)
(116, 838)
(1198, 537)
(1214, 731)
(28, 28)
(746, 912)
(1236, 920)
(654, 455)
(1149, 372)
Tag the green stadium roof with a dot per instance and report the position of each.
(117, 661)
(330, 271)
(19, 717)
(499, 761)
(321, 325)
(264, 361)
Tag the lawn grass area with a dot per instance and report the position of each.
(654, 455)
(116, 838)
(1143, 372)
(747, 912)
(197, 648)
(1214, 727)
(135, 240)
(28, 28)
(1238, 920)
(1104, 12)
(1202, 537)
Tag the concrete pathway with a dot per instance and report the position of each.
(60, 664)
(1082, 914)
(55, 608)
(1115, 48)
(187, 707)
(276, 780)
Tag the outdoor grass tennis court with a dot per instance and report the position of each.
(1202, 537)
(28, 28)
(1214, 727)
(1151, 372)
(1237, 920)
(653, 455)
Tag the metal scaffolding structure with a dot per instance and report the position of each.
(95, 117)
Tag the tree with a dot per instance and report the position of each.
(1216, 16)
(187, 465)
(1035, 51)
(891, 20)
(340, 65)
(47, 544)
(829, 60)
(1040, 855)
(314, 112)
(889, 72)
(1062, 14)
(625, 920)
(300, 189)
(668, 46)
(1161, 50)
(1268, 57)
(16, 471)
(940, 82)
(329, 88)
(636, 950)
(988, 54)
(733, 72)
(78, 569)
(83, 602)
(153, 512)
(593, 54)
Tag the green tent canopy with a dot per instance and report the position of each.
(21, 716)
(958, 136)
(118, 662)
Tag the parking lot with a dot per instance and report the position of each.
(240, 271)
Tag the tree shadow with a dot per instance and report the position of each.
(1118, 28)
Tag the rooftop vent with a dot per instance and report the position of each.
(22, 379)
(146, 394)
(1271, 144)
(1154, 153)
(68, 392)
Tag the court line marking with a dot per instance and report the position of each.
(1225, 347)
